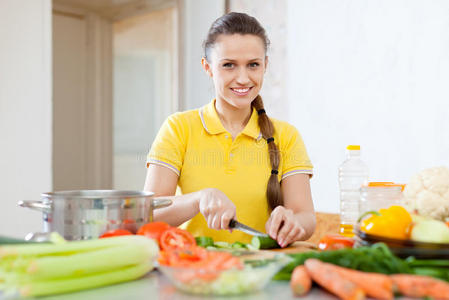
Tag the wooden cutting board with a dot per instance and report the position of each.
(297, 247)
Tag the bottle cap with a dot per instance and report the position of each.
(353, 147)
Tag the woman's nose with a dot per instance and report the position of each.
(242, 76)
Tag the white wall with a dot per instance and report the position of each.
(195, 18)
(25, 111)
(374, 73)
(70, 103)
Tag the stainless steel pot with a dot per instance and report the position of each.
(86, 214)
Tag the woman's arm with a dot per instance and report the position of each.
(296, 219)
(216, 208)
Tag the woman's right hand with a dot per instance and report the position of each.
(216, 207)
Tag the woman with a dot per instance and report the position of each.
(230, 160)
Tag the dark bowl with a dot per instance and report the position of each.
(405, 248)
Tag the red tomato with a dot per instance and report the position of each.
(153, 230)
(115, 232)
(176, 238)
(335, 241)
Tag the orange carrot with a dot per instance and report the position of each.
(375, 285)
(300, 281)
(332, 281)
(421, 286)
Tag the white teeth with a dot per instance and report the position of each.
(241, 90)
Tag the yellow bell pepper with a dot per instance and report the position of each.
(393, 222)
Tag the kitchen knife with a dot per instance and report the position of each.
(234, 224)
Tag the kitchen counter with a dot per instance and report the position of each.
(155, 286)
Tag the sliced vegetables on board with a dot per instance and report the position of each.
(46, 269)
(260, 242)
(256, 243)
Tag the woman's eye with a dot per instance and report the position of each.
(228, 65)
(254, 65)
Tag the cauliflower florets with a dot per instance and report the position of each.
(427, 193)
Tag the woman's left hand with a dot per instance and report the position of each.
(284, 226)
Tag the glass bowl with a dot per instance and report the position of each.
(254, 276)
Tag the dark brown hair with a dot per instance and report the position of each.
(240, 23)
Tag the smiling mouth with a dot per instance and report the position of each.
(241, 91)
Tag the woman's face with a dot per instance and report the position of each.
(237, 65)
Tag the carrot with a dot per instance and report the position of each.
(332, 281)
(375, 285)
(300, 282)
(421, 286)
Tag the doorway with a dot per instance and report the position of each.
(144, 90)
(114, 83)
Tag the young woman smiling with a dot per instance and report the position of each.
(230, 160)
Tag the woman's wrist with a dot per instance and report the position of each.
(196, 198)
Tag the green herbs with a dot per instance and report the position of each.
(376, 258)
(46, 269)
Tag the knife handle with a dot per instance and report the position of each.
(232, 223)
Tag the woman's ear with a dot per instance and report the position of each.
(206, 66)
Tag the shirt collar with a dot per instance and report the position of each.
(212, 124)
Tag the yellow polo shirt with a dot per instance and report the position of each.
(195, 145)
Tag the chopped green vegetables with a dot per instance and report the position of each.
(204, 241)
(260, 242)
(256, 244)
(208, 243)
(46, 269)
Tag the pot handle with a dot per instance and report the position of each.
(161, 202)
(36, 205)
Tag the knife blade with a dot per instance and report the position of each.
(234, 224)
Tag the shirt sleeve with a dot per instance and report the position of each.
(168, 147)
(293, 153)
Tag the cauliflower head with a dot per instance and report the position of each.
(427, 193)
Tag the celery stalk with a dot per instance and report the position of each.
(84, 263)
(69, 247)
(58, 286)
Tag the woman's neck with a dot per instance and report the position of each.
(233, 119)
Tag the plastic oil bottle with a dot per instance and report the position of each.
(352, 175)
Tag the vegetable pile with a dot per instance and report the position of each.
(46, 269)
